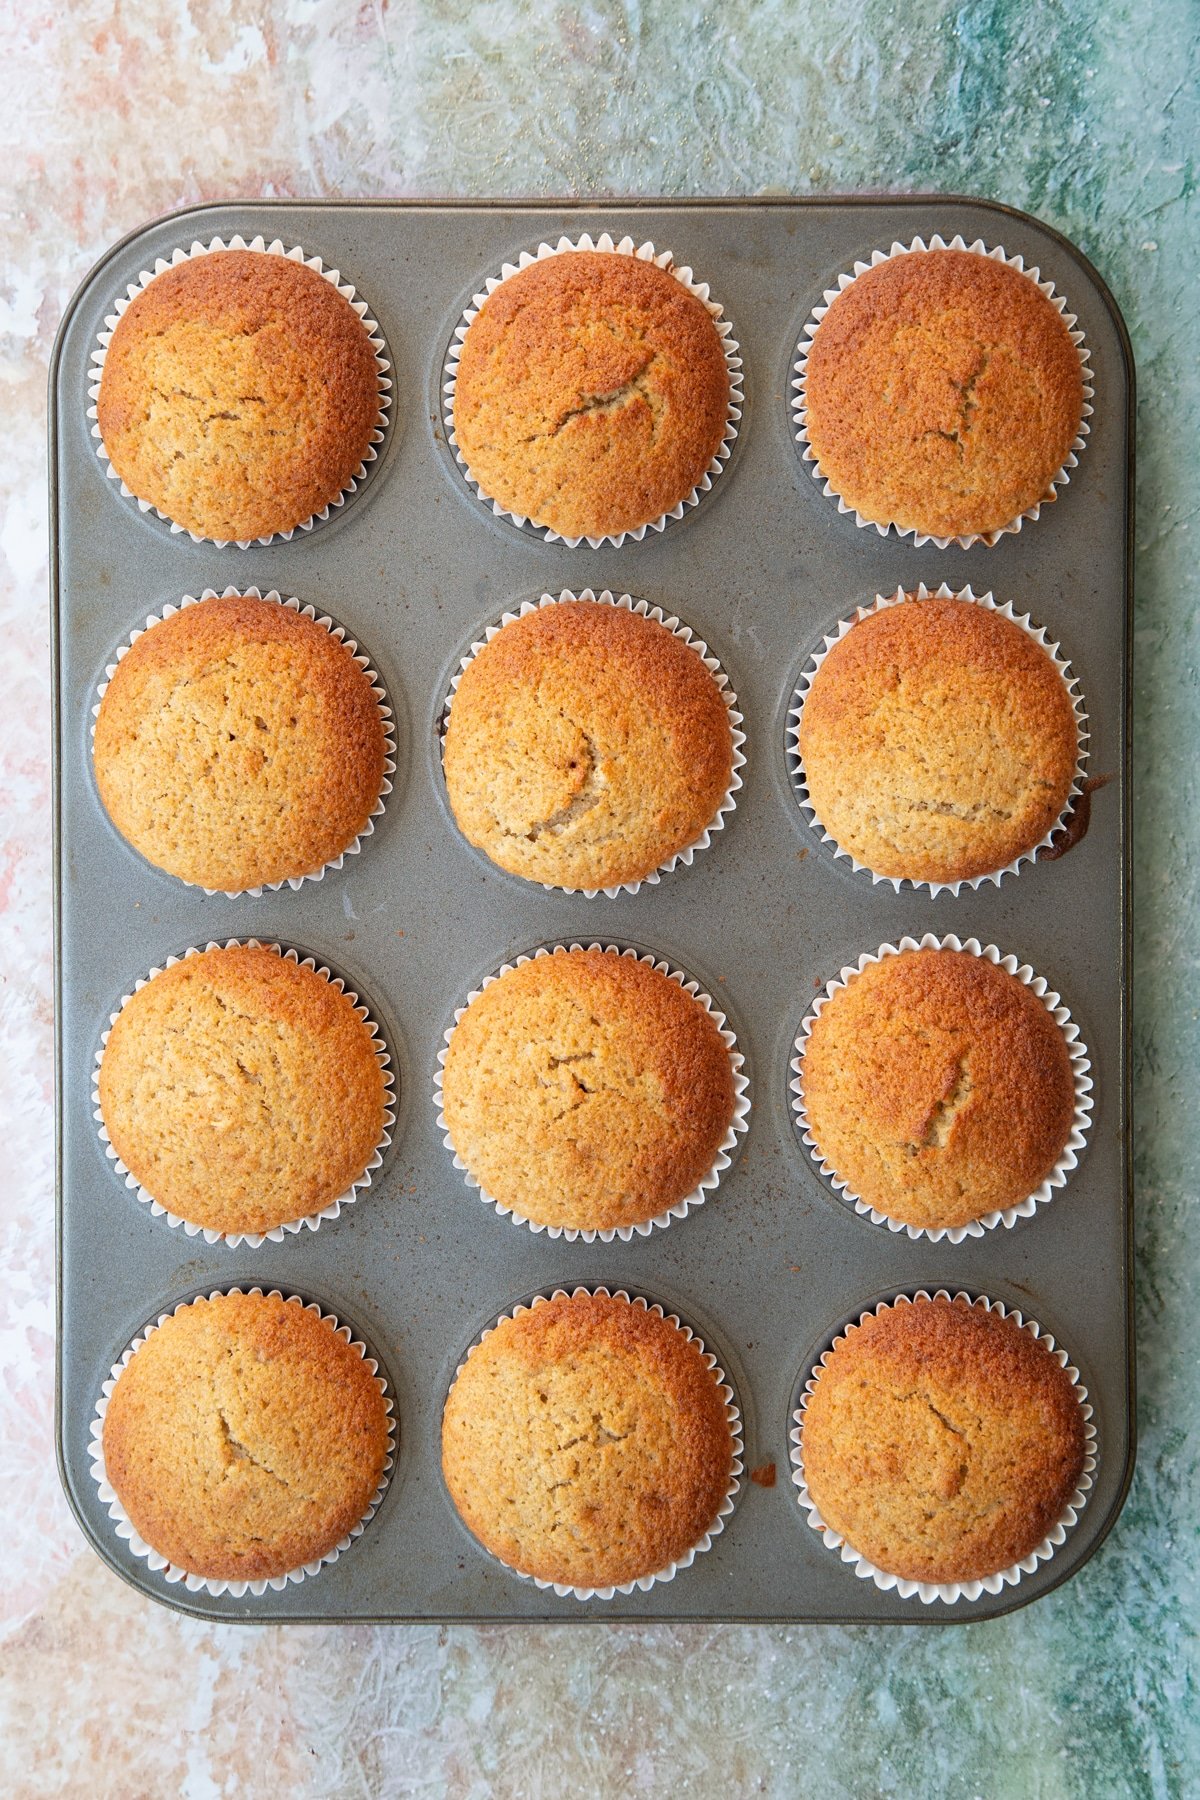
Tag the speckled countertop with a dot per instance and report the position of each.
(1085, 114)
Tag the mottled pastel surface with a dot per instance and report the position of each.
(1085, 114)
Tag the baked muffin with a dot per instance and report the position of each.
(592, 393)
(943, 394)
(242, 1090)
(942, 1441)
(585, 1442)
(938, 740)
(586, 745)
(587, 1090)
(238, 744)
(938, 1087)
(245, 1438)
(239, 395)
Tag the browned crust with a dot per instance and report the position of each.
(938, 740)
(239, 743)
(239, 394)
(585, 1442)
(938, 1086)
(942, 1441)
(587, 1090)
(242, 1090)
(245, 1438)
(592, 393)
(943, 393)
(586, 745)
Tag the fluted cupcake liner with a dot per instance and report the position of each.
(733, 1416)
(643, 609)
(799, 402)
(364, 662)
(276, 1235)
(680, 1209)
(1040, 637)
(261, 247)
(949, 1592)
(170, 1571)
(662, 259)
(1080, 1072)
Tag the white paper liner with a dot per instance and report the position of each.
(799, 396)
(733, 362)
(698, 1195)
(169, 1571)
(948, 1591)
(254, 1239)
(642, 609)
(259, 245)
(335, 631)
(1080, 1074)
(733, 1415)
(913, 595)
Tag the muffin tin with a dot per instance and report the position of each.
(415, 567)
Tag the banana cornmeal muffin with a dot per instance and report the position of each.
(239, 743)
(592, 393)
(943, 394)
(942, 1441)
(938, 740)
(245, 1438)
(585, 1442)
(938, 1087)
(242, 1090)
(585, 746)
(239, 394)
(588, 1090)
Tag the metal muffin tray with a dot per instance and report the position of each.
(414, 566)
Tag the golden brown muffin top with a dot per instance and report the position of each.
(592, 393)
(943, 393)
(245, 1438)
(587, 1090)
(585, 1442)
(939, 741)
(239, 394)
(938, 1086)
(242, 1090)
(239, 743)
(586, 745)
(942, 1441)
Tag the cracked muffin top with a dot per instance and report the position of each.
(585, 746)
(942, 1441)
(938, 740)
(943, 394)
(239, 394)
(592, 393)
(242, 1090)
(585, 1442)
(938, 1087)
(239, 743)
(245, 1437)
(587, 1089)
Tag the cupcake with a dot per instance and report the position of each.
(586, 1442)
(939, 741)
(591, 394)
(243, 1090)
(937, 1088)
(943, 394)
(240, 744)
(586, 746)
(942, 1441)
(245, 1437)
(239, 395)
(588, 1091)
